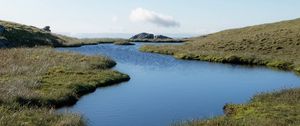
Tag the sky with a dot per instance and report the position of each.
(154, 16)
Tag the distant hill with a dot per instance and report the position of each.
(274, 44)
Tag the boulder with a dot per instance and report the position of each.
(143, 36)
(161, 37)
(47, 28)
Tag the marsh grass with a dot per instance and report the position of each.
(32, 80)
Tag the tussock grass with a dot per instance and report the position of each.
(32, 80)
(28, 116)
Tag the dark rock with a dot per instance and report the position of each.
(2, 29)
(47, 28)
(278, 48)
(161, 37)
(143, 36)
(3, 42)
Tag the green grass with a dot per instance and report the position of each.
(275, 45)
(35, 79)
(279, 108)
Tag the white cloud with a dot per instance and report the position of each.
(143, 15)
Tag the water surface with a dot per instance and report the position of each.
(163, 90)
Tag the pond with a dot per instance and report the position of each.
(164, 90)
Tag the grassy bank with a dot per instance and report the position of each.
(93, 41)
(123, 43)
(33, 80)
(274, 45)
(269, 109)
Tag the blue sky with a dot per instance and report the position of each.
(156, 16)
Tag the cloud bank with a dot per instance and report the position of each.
(143, 15)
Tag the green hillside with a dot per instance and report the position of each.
(23, 35)
(19, 35)
(275, 45)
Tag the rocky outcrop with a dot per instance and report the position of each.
(143, 36)
(147, 37)
(47, 28)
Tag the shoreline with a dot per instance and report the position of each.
(229, 59)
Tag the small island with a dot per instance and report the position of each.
(148, 37)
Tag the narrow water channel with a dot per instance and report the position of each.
(164, 90)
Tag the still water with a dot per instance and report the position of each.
(164, 90)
